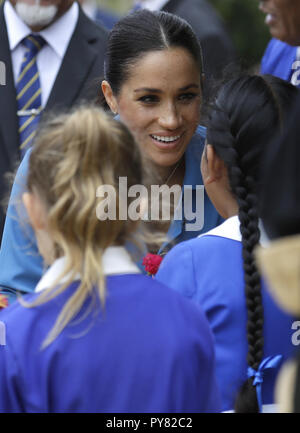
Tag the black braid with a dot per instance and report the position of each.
(245, 117)
(248, 216)
(243, 188)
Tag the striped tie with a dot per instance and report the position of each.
(28, 90)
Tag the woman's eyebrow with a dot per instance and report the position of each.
(153, 90)
(148, 89)
(190, 86)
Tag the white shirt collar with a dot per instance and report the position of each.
(152, 5)
(57, 35)
(90, 8)
(17, 30)
(230, 229)
(115, 261)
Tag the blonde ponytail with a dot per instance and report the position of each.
(73, 155)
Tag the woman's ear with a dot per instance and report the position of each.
(109, 96)
(214, 166)
(35, 210)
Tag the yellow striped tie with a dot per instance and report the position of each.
(28, 89)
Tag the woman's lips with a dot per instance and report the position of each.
(166, 141)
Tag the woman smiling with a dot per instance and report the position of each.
(153, 81)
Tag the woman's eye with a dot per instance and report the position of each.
(187, 96)
(148, 99)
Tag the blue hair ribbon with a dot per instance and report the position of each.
(269, 362)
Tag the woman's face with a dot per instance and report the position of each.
(160, 103)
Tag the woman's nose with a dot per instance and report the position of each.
(170, 118)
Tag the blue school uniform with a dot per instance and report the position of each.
(280, 60)
(209, 270)
(148, 350)
(20, 262)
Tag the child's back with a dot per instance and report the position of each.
(145, 352)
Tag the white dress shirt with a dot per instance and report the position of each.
(49, 59)
(152, 5)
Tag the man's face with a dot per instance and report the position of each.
(39, 14)
(283, 19)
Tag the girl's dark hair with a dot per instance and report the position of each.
(249, 112)
(141, 32)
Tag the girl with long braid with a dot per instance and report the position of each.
(218, 269)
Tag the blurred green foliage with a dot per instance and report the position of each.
(120, 6)
(245, 24)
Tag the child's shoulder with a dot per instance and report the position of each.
(204, 244)
(156, 298)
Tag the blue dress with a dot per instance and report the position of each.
(280, 60)
(20, 262)
(149, 350)
(209, 270)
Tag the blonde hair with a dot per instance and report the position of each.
(73, 155)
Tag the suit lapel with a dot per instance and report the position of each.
(8, 102)
(78, 60)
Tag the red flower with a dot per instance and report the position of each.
(151, 263)
(3, 302)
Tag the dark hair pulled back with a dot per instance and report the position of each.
(140, 33)
(248, 113)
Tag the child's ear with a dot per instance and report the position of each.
(214, 166)
(35, 210)
(109, 96)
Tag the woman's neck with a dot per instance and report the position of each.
(173, 175)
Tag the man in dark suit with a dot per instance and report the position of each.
(218, 50)
(68, 64)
